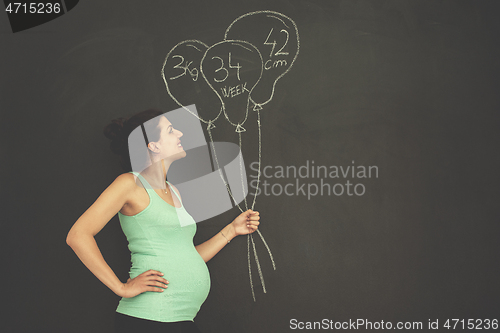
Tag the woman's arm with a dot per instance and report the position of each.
(246, 223)
(81, 238)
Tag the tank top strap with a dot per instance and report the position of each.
(175, 193)
(148, 188)
(144, 182)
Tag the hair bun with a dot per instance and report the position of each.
(114, 130)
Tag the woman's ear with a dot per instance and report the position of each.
(153, 147)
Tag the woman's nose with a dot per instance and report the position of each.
(180, 133)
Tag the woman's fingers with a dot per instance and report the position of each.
(152, 279)
(157, 278)
(154, 287)
(247, 222)
(152, 272)
(155, 283)
(253, 225)
(158, 284)
(153, 275)
(251, 212)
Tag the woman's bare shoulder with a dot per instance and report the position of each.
(127, 181)
(129, 185)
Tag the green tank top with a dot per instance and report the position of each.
(157, 241)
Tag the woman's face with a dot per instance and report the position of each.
(169, 144)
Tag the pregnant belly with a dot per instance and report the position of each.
(189, 285)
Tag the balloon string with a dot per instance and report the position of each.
(260, 152)
(241, 174)
(250, 236)
(258, 180)
(218, 167)
(267, 247)
(258, 265)
(249, 267)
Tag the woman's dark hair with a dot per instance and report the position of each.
(119, 130)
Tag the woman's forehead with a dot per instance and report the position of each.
(164, 121)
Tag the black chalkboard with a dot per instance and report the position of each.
(378, 128)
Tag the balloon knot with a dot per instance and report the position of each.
(257, 107)
(240, 129)
(210, 125)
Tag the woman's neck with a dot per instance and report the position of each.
(156, 173)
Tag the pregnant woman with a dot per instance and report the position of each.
(169, 279)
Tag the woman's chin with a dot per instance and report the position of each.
(176, 156)
(181, 154)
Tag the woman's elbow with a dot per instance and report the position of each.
(73, 237)
(70, 238)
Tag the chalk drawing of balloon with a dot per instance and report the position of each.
(232, 69)
(184, 82)
(277, 38)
